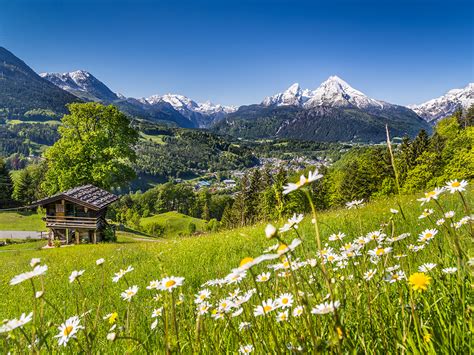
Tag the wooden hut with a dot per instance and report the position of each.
(77, 214)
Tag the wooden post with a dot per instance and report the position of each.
(67, 236)
(95, 237)
(77, 237)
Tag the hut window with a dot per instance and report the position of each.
(59, 208)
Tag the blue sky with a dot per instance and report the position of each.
(237, 52)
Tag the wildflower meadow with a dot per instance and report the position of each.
(393, 276)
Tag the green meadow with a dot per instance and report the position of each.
(373, 315)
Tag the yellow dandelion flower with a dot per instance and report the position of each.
(419, 281)
(427, 337)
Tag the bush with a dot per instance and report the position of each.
(155, 229)
(191, 228)
(109, 234)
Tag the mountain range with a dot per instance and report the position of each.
(170, 107)
(332, 111)
(443, 106)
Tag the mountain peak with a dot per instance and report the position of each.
(445, 105)
(82, 84)
(333, 92)
(293, 89)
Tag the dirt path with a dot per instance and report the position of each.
(22, 235)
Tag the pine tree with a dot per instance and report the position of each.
(227, 220)
(24, 189)
(6, 186)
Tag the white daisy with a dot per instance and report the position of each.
(68, 330)
(99, 261)
(326, 307)
(369, 274)
(244, 326)
(157, 312)
(129, 293)
(449, 270)
(426, 212)
(285, 300)
(431, 195)
(379, 251)
(170, 283)
(202, 295)
(203, 308)
(312, 176)
(16, 323)
(354, 204)
(265, 308)
(455, 185)
(440, 222)
(246, 349)
(37, 271)
(75, 275)
(121, 273)
(154, 285)
(337, 236)
(298, 311)
(34, 262)
(282, 316)
(395, 276)
(263, 277)
(270, 231)
(426, 267)
(449, 214)
(427, 235)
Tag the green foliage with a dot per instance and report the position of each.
(6, 185)
(171, 224)
(96, 146)
(182, 153)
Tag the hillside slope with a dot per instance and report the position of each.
(23, 92)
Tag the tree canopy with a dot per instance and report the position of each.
(96, 146)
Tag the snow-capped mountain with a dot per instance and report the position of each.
(444, 106)
(82, 84)
(86, 86)
(293, 96)
(334, 92)
(202, 113)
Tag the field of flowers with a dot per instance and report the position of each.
(391, 276)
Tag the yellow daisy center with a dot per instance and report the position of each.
(380, 251)
(68, 330)
(267, 309)
(170, 283)
(430, 194)
(284, 300)
(282, 247)
(245, 261)
(455, 184)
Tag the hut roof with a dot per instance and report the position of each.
(87, 195)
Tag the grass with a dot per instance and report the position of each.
(375, 316)
(175, 224)
(21, 221)
(158, 139)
